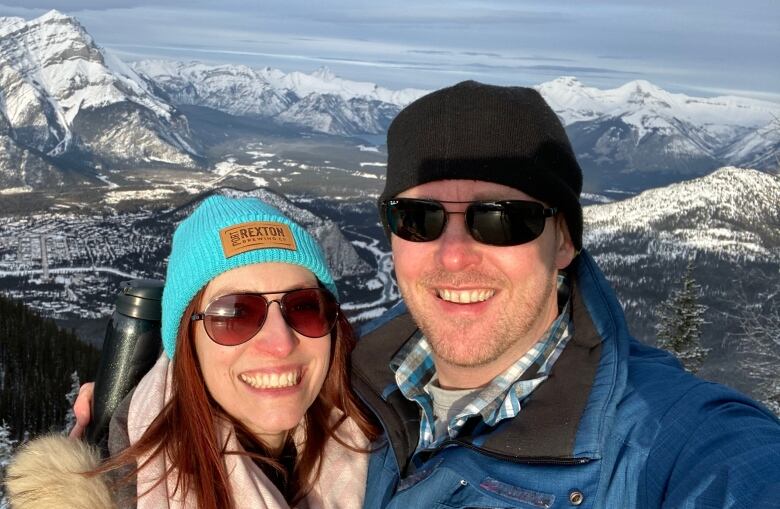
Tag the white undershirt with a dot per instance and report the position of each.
(447, 403)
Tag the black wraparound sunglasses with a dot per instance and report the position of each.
(498, 223)
(234, 319)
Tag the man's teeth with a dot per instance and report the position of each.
(465, 296)
(272, 380)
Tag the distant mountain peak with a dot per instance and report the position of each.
(65, 97)
(53, 15)
(56, 79)
(324, 73)
(640, 127)
(642, 92)
(567, 81)
(642, 86)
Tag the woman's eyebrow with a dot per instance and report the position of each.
(232, 289)
(224, 290)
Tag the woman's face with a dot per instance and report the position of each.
(270, 381)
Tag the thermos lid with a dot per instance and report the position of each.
(141, 298)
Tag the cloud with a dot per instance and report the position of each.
(430, 52)
(613, 57)
(421, 15)
(479, 54)
(729, 47)
(75, 5)
(573, 69)
(70, 6)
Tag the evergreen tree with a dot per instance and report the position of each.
(70, 417)
(680, 320)
(6, 450)
(6, 443)
(758, 317)
(37, 360)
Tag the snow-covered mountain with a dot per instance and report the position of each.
(64, 100)
(639, 128)
(726, 223)
(732, 212)
(639, 133)
(69, 109)
(20, 166)
(320, 101)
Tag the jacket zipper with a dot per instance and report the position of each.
(529, 460)
(535, 460)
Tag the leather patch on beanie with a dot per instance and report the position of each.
(245, 237)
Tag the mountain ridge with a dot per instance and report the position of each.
(53, 75)
(71, 111)
(320, 101)
(639, 126)
(732, 210)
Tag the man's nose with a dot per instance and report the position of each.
(457, 249)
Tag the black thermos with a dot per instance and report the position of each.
(130, 348)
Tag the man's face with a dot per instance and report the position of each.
(480, 306)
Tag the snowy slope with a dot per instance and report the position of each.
(731, 212)
(646, 106)
(323, 81)
(234, 89)
(635, 127)
(53, 75)
(715, 130)
(65, 102)
(320, 101)
(727, 224)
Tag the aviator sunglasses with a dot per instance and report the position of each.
(498, 223)
(236, 318)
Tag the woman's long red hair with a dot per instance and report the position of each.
(186, 429)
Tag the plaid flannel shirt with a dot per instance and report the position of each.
(502, 398)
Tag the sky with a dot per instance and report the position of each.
(697, 47)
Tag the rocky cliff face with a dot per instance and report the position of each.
(341, 255)
(67, 104)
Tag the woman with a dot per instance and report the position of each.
(250, 404)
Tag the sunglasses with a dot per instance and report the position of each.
(498, 223)
(234, 319)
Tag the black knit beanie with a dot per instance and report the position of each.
(506, 135)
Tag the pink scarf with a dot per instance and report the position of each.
(341, 484)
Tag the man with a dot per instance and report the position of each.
(512, 380)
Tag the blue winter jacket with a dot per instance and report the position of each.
(617, 425)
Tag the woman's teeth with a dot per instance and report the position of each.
(272, 380)
(465, 296)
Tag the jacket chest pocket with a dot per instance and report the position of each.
(494, 494)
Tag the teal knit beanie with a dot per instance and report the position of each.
(226, 233)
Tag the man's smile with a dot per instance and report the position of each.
(465, 296)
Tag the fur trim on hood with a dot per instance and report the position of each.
(46, 473)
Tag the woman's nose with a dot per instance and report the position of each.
(276, 338)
